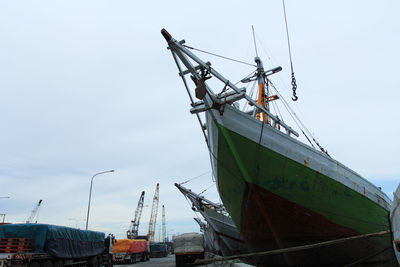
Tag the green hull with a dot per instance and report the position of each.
(241, 160)
(277, 202)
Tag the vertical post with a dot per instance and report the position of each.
(261, 89)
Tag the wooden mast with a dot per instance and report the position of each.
(261, 89)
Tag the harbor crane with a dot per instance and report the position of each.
(164, 229)
(133, 231)
(34, 213)
(153, 216)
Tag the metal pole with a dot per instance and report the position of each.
(90, 195)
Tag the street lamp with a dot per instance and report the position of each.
(90, 195)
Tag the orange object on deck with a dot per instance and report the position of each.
(130, 245)
(261, 101)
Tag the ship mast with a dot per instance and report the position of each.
(262, 96)
(182, 55)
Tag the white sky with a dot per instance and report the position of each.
(88, 86)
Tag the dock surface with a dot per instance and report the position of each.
(158, 262)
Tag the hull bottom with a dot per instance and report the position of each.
(271, 222)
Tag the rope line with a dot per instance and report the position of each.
(287, 35)
(254, 39)
(294, 84)
(293, 249)
(297, 120)
(216, 55)
(191, 179)
(207, 188)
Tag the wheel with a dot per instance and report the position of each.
(93, 262)
(58, 263)
(110, 262)
(34, 264)
(99, 262)
(47, 263)
(179, 261)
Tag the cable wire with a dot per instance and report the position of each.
(294, 84)
(191, 179)
(235, 60)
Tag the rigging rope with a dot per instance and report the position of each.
(246, 105)
(194, 178)
(294, 84)
(235, 60)
(254, 39)
(297, 121)
(191, 204)
(207, 188)
(191, 98)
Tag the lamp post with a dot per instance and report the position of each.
(90, 195)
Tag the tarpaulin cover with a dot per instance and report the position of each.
(130, 245)
(155, 247)
(59, 241)
(188, 243)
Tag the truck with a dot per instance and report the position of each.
(187, 248)
(45, 245)
(131, 250)
(158, 250)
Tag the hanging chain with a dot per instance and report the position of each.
(294, 87)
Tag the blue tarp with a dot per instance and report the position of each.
(59, 241)
(155, 247)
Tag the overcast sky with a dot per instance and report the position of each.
(89, 86)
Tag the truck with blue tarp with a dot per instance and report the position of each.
(45, 245)
(158, 250)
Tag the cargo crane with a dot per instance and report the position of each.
(153, 216)
(133, 231)
(164, 230)
(34, 213)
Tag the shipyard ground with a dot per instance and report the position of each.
(170, 262)
(158, 262)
